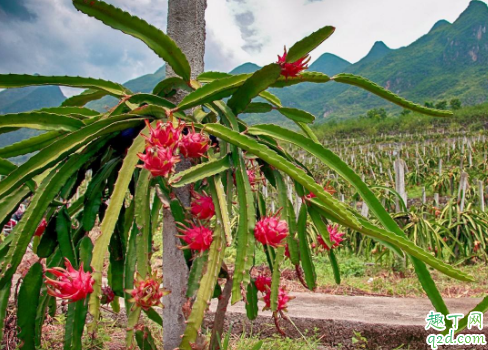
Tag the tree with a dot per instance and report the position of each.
(186, 25)
(455, 104)
(441, 105)
(376, 114)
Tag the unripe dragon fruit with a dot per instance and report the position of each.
(70, 284)
(199, 238)
(41, 228)
(159, 161)
(271, 231)
(202, 206)
(292, 69)
(262, 283)
(164, 135)
(108, 295)
(283, 299)
(147, 292)
(194, 144)
(335, 237)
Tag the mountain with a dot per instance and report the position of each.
(450, 61)
(245, 68)
(30, 98)
(23, 100)
(329, 64)
(145, 83)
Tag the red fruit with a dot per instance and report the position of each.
(253, 180)
(41, 228)
(159, 161)
(108, 295)
(271, 231)
(287, 251)
(194, 144)
(147, 292)
(262, 283)
(292, 69)
(70, 284)
(335, 237)
(198, 237)
(164, 135)
(202, 207)
(283, 299)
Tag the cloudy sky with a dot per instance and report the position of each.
(50, 37)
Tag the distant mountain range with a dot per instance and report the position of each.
(450, 61)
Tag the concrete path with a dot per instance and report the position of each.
(387, 323)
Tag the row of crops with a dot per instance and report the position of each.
(434, 185)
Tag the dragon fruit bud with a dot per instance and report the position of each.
(327, 188)
(70, 284)
(164, 135)
(199, 238)
(262, 283)
(253, 179)
(41, 228)
(283, 299)
(335, 237)
(108, 295)
(292, 69)
(159, 161)
(194, 144)
(271, 231)
(147, 292)
(202, 207)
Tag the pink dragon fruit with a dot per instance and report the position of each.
(202, 206)
(335, 237)
(159, 161)
(271, 231)
(199, 238)
(194, 144)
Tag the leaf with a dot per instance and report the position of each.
(213, 91)
(145, 340)
(109, 221)
(335, 266)
(304, 77)
(268, 96)
(30, 145)
(85, 97)
(61, 148)
(337, 209)
(11, 203)
(200, 172)
(154, 316)
(275, 278)
(195, 275)
(207, 77)
(297, 115)
(82, 111)
(65, 239)
(253, 86)
(6, 167)
(155, 39)
(49, 240)
(221, 207)
(209, 280)
(252, 301)
(374, 88)
(303, 47)
(142, 217)
(4, 298)
(169, 86)
(22, 80)
(27, 306)
(258, 107)
(305, 253)
(335, 163)
(463, 323)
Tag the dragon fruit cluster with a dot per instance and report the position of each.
(271, 230)
(166, 142)
(263, 285)
(147, 292)
(70, 284)
(335, 237)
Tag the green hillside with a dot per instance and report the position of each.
(144, 83)
(449, 61)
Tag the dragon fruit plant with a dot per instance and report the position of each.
(127, 187)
